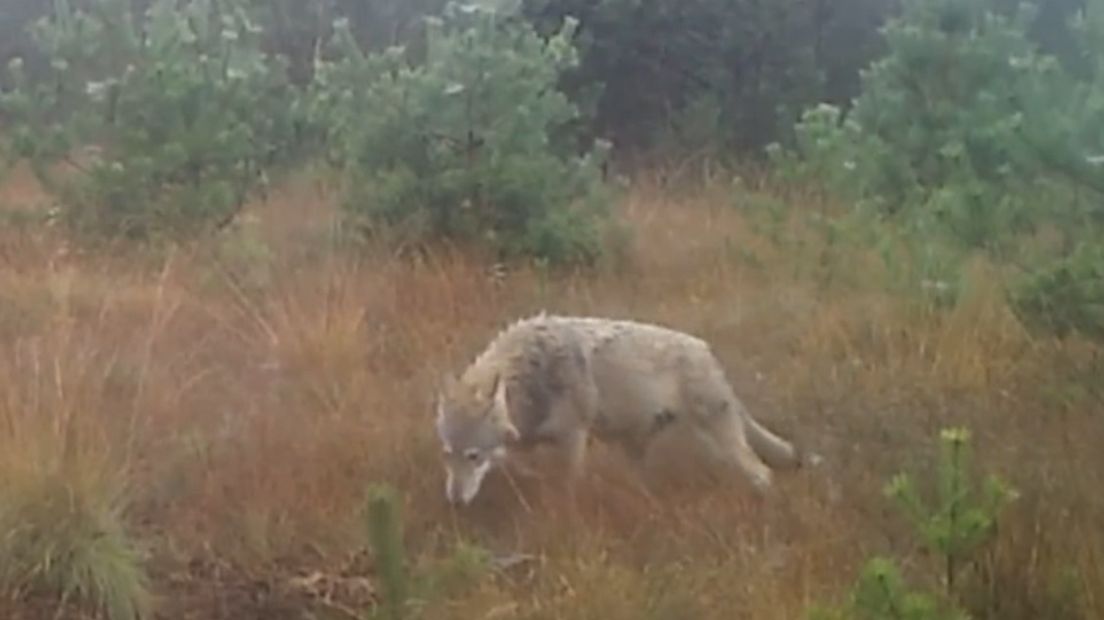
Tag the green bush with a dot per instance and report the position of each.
(177, 112)
(966, 138)
(464, 145)
(881, 594)
(937, 127)
(1066, 295)
(826, 147)
(62, 536)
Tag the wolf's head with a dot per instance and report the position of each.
(475, 430)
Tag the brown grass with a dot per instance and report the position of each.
(250, 398)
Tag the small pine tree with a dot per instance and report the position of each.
(1066, 295)
(962, 520)
(386, 538)
(178, 112)
(936, 133)
(463, 144)
(881, 594)
(966, 138)
(404, 585)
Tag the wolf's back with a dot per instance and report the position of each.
(654, 367)
(638, 371)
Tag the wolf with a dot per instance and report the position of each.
(560, 380)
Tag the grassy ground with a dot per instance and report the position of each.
(214, 415)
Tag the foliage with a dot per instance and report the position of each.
(386, 537)
(967, 138)
(64, 538)
(402, 585)
(170, 119)
(464, 145)
(457, 572)
(960, 523)
(296, 30)
(937, 128)
(1066, 295)
(654, 71)
(881, 594)
(645, 67)
(1068, 135)
(826, 147)
(963, 519)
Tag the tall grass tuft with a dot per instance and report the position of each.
(64, 537)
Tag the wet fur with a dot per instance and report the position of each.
(560, 380)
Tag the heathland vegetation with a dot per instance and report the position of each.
(241, 241)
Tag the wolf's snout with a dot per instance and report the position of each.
(461, 493)
(462, 486)
(452, 489)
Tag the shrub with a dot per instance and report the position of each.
(937, 127)
(177, 112)
(959, 524)
(463, 145)
(1066, 295)
(966, 139)
(62, 536)
(963, 519)
(826, 148)
(881, 594)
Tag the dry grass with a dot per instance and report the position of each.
(249, 392)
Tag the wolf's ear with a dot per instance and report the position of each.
(501, 411)
(510, 433)
(498, 396)
(439, 423)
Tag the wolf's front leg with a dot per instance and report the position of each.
(573, 454)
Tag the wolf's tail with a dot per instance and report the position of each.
(775, 451)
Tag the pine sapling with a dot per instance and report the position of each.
(962, 521)
(882, 594)
(963, 518)
(386, 539)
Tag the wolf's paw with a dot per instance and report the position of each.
(810, 460)
(761, 481)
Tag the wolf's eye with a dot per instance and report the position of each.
(472, 455)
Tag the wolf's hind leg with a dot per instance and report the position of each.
(572, 447)
(724, 437)
(572, 451)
